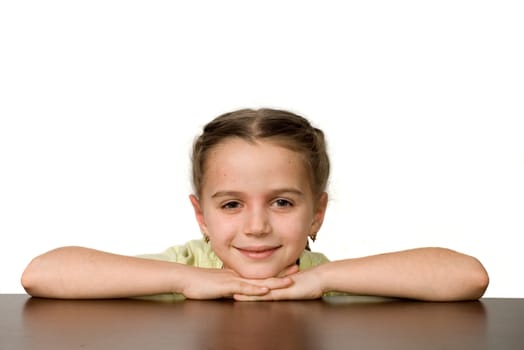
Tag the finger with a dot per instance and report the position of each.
(250, 289)
(274, 283)
(272, 295)
(243, 297)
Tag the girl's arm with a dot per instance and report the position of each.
(82, 273)
(431, 274)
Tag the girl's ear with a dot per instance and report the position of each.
(320, 212)
(199, 215)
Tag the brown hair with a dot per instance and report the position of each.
(285, 128)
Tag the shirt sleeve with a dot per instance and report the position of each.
(310, 259)
(195, 253)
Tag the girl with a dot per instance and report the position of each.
(259, 181)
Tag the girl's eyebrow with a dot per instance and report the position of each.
(278, 191)
(226, 194)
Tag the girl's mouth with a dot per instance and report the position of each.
(262, 252)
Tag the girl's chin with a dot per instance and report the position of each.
(256, 273)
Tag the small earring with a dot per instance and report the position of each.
(313, 236)
(206, 237)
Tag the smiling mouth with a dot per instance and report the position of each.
(257, 252)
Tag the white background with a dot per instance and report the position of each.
(422, 103)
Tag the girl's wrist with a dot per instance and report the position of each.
(181, 276)
(323, 277)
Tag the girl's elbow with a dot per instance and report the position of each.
(475, 282)
(42, 276)
(38, 277)
(480, 281)
(29, 279)
(471, 283)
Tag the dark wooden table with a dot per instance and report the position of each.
(332, 323)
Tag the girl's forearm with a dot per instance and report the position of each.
(435, 274)
(76, 272)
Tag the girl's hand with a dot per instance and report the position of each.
(305, 286)
(212, 284)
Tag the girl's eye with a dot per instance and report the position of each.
(231, 205)
(283, 203)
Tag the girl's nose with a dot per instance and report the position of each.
(257, 222)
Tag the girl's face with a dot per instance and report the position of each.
(257, 206)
